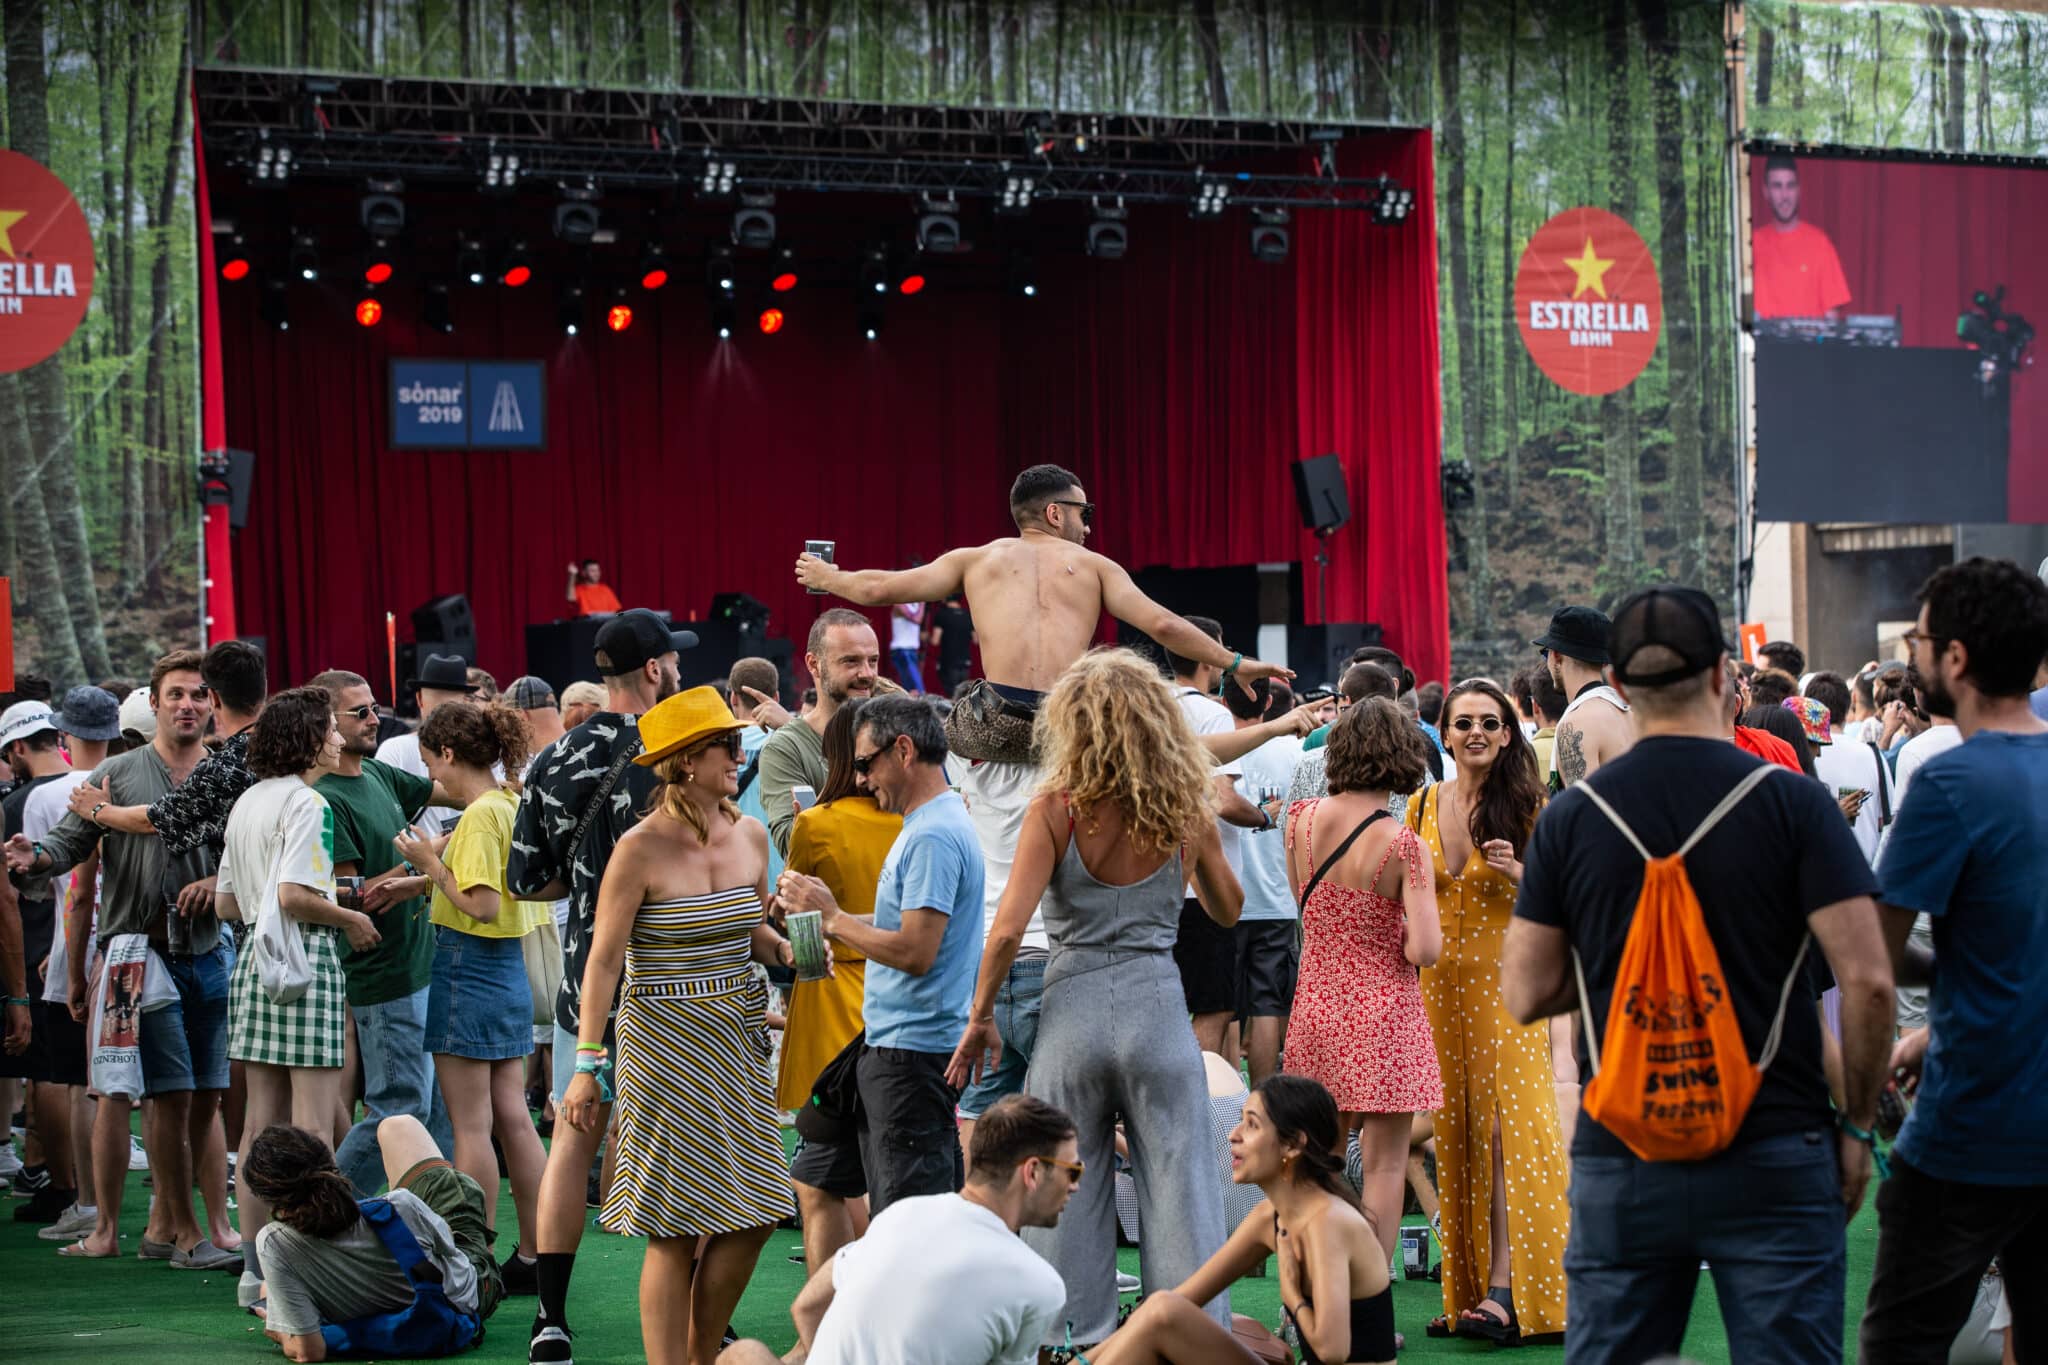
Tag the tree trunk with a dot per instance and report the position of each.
(2026, 105)
(39, 584)
(1012, 59)
(134, 551)
(1795, 56)
(1478, 569)
(1766, 48)
(465, 17)
(1263, 28)
(172, 462)
(1955, 123)
(52, 457)
(1510, 357)
(686, 44)
(1682, 502)
(1212, 57)
(1619, 456)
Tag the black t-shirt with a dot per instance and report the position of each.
(1782, 854)
(13, 809)
(956, 635)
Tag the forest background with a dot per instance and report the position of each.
(1537, 106)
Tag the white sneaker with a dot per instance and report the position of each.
(10, 1161)
(75, 1223)
(138, 1159)
(1127, 1284)
(248, 1291)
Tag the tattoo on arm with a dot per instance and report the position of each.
(1571, 754)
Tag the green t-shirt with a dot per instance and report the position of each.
(1317, 738)
(368, 812)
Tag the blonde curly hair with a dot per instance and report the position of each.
(1110, 731)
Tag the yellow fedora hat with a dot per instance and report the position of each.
(684, 719)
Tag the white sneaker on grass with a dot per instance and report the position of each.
(10, 1161)
(138, 1159)
(75, 1223)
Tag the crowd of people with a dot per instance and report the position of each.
(1079, 948)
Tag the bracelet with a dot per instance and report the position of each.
(1878, 1159)
(94, 814)
(1233, 664)
(20, 1000)
(591, 1047)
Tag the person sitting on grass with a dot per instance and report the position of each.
(406, 1275)
(1334, 1281)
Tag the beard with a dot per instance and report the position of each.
(667, 685)
(838, 693)
(1935, 698)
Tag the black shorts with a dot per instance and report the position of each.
(910, 1141)
(833, 1167)
(1206, 954)
(56, 1049)
(1268, 960)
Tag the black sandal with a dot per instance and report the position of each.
(1440, 1327)
(1476, 1325)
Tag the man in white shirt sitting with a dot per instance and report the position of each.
(944, 1279)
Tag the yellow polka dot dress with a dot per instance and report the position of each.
(1491, 1067)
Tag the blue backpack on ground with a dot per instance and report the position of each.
(429, 1326)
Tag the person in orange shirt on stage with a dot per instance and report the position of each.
(1798, 274)
(590, 594)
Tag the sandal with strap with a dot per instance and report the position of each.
(1477, 1325)
(1440, 1327)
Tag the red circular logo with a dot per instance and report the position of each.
(1587, 301)
(45, 263)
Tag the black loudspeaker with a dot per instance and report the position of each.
(224, 481)
(1319, 654)
(1229, 596)
(750, 613)
(721, 643)
(446, 625)
(1319, 492)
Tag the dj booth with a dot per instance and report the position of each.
(565, 651)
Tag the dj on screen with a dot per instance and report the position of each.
(1798, 274)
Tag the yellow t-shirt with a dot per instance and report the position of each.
(476, 854)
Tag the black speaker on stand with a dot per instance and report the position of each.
(1318, 654)
(1325, 505)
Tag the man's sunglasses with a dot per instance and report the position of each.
(1464, 724)
(1087, 509)
(1074, 1169)
(862, 762)
(363, 712)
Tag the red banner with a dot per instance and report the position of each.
(1587, 301)
(46, 265)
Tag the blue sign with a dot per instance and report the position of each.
(468, 405)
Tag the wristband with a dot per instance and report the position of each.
(18, 1000)
(601, 1069)
(94, 814)
(1233, 664)
(1869, 1139)
(590, 1047)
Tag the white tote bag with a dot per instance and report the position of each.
(282, 968)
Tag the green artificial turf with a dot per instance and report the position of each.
(55, 1312)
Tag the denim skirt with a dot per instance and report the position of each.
(479, 1005)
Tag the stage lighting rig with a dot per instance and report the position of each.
(1017, 194)
(382, 214)
(1210, 199)
(1108, 238)
(569, 309)
(576, 221)
(304, 257)
(719, 176)
(1393, 205)
(938, 225)
(469, 260)
(721, 278)
(2000, 337)
(518, 267)
(753, 226)
(501, 170)
(653, 268)
(272, 165)
(1270, 238)
(784, 277)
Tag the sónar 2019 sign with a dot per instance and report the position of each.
(468, 405)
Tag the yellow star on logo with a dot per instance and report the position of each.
(8, 218)
(1589, 268)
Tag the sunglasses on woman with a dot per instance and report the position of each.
(728, 742)
(1463, 724)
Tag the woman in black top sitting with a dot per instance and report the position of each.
(1333, 1273)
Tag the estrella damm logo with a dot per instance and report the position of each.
(46, 263)
(1587, 301)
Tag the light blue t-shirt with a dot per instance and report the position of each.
(2040, 703)
(751, 740)
(1970, 849)
(935, 864)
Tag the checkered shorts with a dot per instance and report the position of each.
(308, 1032)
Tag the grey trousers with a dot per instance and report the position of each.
(1114, 1042)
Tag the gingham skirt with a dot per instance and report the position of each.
(311, 1030)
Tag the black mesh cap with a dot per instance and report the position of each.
(1683, 620)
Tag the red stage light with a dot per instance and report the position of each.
(516, 276)
(619, 317)
(369, 312)
(771, 321)
(377, 272)
(784, 282)
(654, 279)
(234, 268)
(911, 284)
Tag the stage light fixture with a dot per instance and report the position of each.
(469, 260)
(501, 171)
(720, 277)
(273, 165)
(382, 215)
(653, 268)
(1270, 238)
(1393, 205)
(1023, 275)
(274, 309)
(1210, 199)
(1018, 192)
(576, 222)
(753, 226)
(304, 257)
(435, 312)
(569, 309)
(369, 312)
(618, 317)
(869, 319)
(938, 225)
(719, 176)
(378, 267)
(771, 321)
(785, 277)
(1108, 238)
(912, 283)
(724, 317)
(518, 267)
(874, 271)
(234, 260)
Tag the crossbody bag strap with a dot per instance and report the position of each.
(1340, 851)
(602, 795)
(753, 770)
(1884, 785)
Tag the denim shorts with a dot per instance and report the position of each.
(1017, 1006)
(185, 1043)
(479, 1005)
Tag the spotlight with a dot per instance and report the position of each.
(369, 312)
(938, 225)
(618, 317)
(518, 267)
(1017, 193)
(304, 259)
(753, 227)
(569, 309)
(723, 318)
(382, 215)
(874, 271)
(771, 321)
(234, 264)
(870, 321)
(274, 309)
(1393, 206)
(653, 268)
(720, 277)
(576, 222)
(469, 261)
(1269, 235)
(785, 270)
(719, 176)
(1108, 239)
(1210, 199)
(912, 283)
(434, 309)
(501, 171)
(378, 267)
(1023, 275)
(273, 165)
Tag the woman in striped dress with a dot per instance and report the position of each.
(699, 1144)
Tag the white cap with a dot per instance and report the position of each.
(23, 719)
(136, 714)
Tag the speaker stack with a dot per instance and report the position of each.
(442, 626)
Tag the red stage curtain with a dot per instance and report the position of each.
(1919, 239)
(1179, 383)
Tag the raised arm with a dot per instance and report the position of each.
(1123, 599)
(931, 582)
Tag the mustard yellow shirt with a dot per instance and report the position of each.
(476, 855)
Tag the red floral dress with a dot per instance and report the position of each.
(1359, 1026)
